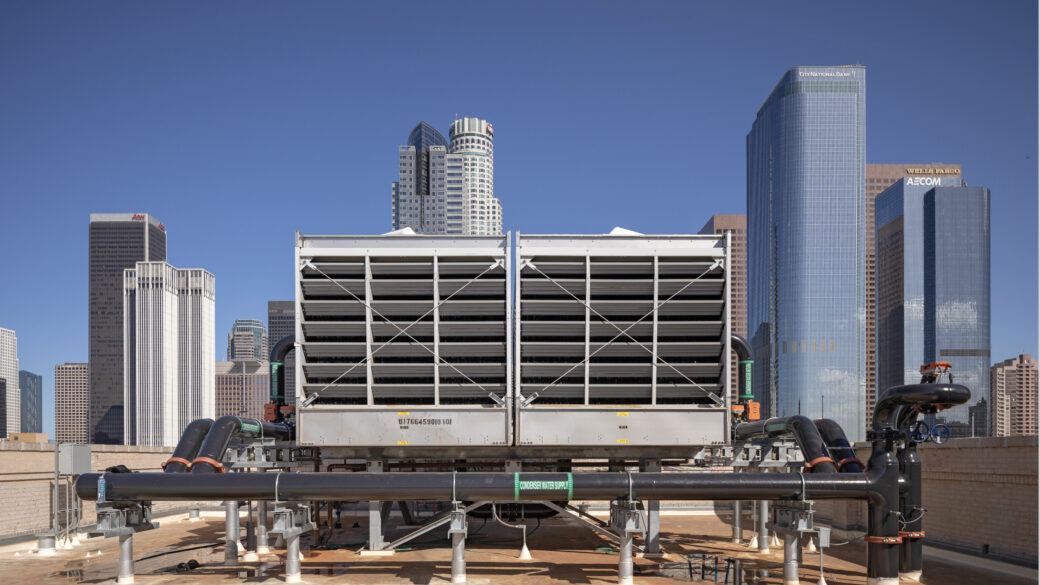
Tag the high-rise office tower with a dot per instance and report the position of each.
(117, 242)
(933, 297)
(805, 157)
(447, 188)
(473, 139)
(10, 398)
(736, 227)
(247, 340)
(1013, 387)
(880, 177)
(242, 388)
(71, 403)
(281, 321)
(31, 390)
(169, 329)
(418, 198)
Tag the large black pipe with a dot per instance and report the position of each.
(477, 486)
(838, 445)
(740, 345)
(219, 437)
(899, 403)
(277, 361)
(805, 433)
(188, 446)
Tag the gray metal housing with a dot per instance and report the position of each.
(406, 344)
(621, 340)
(403, 340)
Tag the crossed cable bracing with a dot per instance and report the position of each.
(623, 332)
(314, 395)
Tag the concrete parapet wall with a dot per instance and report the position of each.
(27, 483)
(981, 496)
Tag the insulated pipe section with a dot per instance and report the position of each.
(220, 435)
(277, 360)
(188, 446)
(475, 486)
(838, 445)
(899, 403)
(740, 345)
(805, 433)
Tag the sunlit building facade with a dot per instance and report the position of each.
(805, 201)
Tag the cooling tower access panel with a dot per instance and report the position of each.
(621, 340)
(403, 340)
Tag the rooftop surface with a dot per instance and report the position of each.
(563, 552)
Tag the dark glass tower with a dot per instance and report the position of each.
(933, 290)
(806, 299)
(31, 386)
(117, 241)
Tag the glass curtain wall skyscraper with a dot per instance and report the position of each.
(933, 292)
(805, 201)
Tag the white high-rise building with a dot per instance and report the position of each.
(168, 361)
(447, 188)
(473, 139)
(11, 399)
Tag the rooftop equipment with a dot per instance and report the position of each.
(622, 340)
(403, 340)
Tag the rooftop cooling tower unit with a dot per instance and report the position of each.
(622, 340)
(403, 341)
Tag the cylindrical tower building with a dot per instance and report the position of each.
(473, 139)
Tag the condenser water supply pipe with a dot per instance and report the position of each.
(744, 363)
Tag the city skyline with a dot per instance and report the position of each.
(564, 166)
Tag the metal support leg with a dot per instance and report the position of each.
(738, 532)
(653, 518)
(262, 546)
(231, 533)
(791, 549)
(763, 530)
(625, 560)
(292, 559)
(626, 520)
(375, 515)
(126, 558)
(458, 530)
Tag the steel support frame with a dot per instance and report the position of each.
(291, 520)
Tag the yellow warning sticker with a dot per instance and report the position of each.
(622, 414)
(402, 413)
(622, 440)
(402, 442)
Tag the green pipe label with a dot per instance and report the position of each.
(250, 427)
(542, 485)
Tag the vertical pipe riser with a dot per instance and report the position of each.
(126, 559)
(231, 533)
(625, 567)
(791, 551)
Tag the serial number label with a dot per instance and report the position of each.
(424, 421)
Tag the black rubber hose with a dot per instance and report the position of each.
(221, 433)
(897, 404)
(188, 446)
(478, 486)
(838, 445)
(805, 434)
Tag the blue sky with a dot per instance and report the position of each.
(238, 123)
